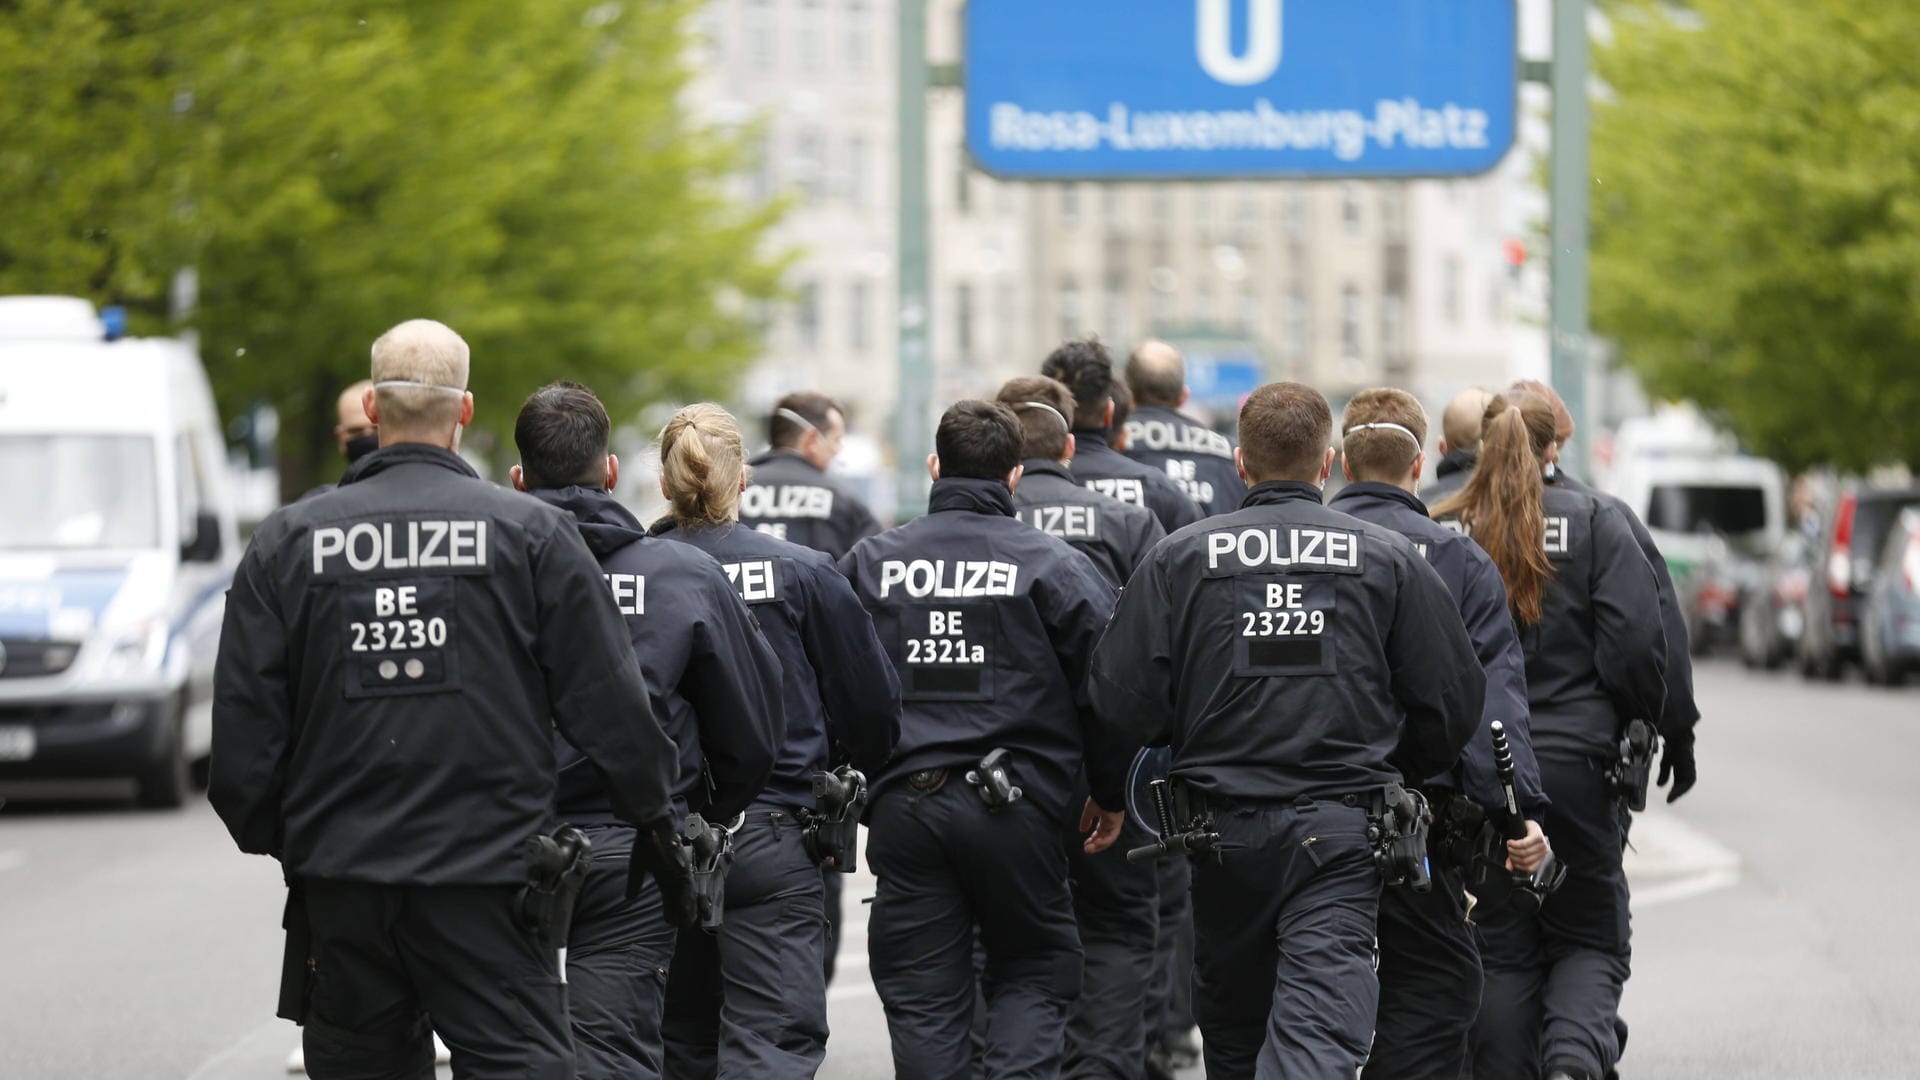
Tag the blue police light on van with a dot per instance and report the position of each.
(1146, 89)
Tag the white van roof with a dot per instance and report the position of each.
(59, 373)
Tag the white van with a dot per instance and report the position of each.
(117, 543)
(1700, 507)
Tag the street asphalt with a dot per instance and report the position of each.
(1773, 934)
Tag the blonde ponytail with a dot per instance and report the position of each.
(702, 465)
(1502, 504)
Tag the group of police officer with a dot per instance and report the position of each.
(575, 793)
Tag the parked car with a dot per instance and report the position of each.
(1844, 565)
(1890, 626)
(1773, 605)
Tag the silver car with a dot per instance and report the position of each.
(1890, 626)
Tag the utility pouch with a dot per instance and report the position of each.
(1397, 821)
(1459, 835)
(556, 869)
(1633, 773)
(296, 961)
(832, 828)
(712, 849)
(993, 779)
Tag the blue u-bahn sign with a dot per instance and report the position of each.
(1145, 89)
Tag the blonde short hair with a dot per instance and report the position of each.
(425, 352)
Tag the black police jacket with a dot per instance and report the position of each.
(1115, 535)
(714, 677)
(1596, 659)
(1482, 599)
(788, 498)
(842, 697)
(395, 656)
(1290, 650)
(991, 625)
(1197, 458)
(1450, 475)
(1681, 713)
(1098, 466)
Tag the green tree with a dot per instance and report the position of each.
(1756, 242)
(520, 169)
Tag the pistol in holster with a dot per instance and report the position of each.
(1632, 774)
(832, 829)
(1186, 826)
(296, 960)
(1397, 822)
(993, 779)
(712, 849)
(556, 869)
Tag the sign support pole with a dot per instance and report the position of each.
(1567, 266)
(913, 437)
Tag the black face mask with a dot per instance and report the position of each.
(361, 445)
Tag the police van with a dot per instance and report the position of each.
(117, 543)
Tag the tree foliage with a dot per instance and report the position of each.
(520, 169)
(1756, 240)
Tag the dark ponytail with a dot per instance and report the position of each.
(1502, 504)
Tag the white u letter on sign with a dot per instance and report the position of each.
(1213, 40)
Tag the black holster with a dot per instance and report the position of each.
(556, 869)
(832, 830)
(1186, 826)
(712, 850)
(1397, 821)
(1632, 774)
(296, 959)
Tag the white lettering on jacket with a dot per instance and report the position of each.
(941, 578)
(399, 545)
(1287, 547)
(786, 501)
(1065, 522)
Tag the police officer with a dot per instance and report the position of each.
(356, 435)
(392, 653)
(1580, 591)
(1459, 443)
(750, 1000)
(990, 624)
(715, 683)
(790, 495)
(1198, 458)
(1682, 712)
(1114, 901)
(1087, 370)
(1429, 966)
(1302, 661)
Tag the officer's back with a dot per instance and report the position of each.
(1086, 369)
(790, 495)
(392, 653)
(1197, 458)
(1115, 535)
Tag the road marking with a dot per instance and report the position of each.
(1685, 888)
(1671, 860)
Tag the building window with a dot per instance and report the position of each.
(1350, 322)
(806, 37)
(860, 316)
(1006, 313)
(1070, 204)
(1350, 208)
(1392, 322)
(856, 172)
(962, 185)
(963, 319)
(1111, 207)
(1114, 317)
(806, 316)
(759, 20)
(1296, 213)
(1071, 320)
(808, 165)
(1162, 205)
(859, 43)
(1450, 289)
(1393, 211)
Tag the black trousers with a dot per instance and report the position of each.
(617, 959)
(1284, 943)
(1429, 983)
(385, 957)
(749, 1000)
(833, 885)
(948, 867)
(1554, 978)
(1116, 906)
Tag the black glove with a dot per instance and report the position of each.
(1676, 763)
(657, 850)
